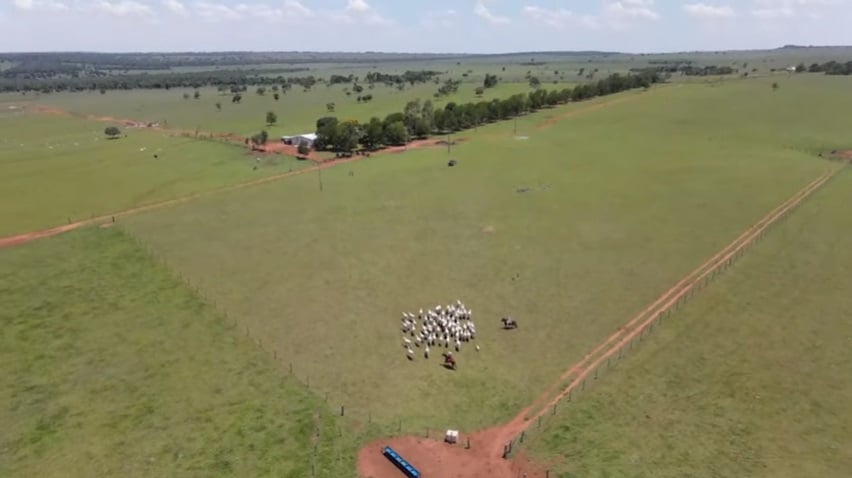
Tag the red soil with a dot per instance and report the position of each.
(484, 458)
(31, 236)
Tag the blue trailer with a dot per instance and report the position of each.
(400, 463)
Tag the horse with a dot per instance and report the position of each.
(449, 360)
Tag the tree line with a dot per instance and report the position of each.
(410, 77)
(11, 82)
(419, 120)
(686, 69)
(829, 68)
(62, 77)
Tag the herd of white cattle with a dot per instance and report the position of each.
(444, 326)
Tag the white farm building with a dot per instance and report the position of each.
(299, 139)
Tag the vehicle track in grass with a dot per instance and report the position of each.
(484, 458)
(23, 238)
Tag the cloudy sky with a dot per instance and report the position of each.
(475, 26)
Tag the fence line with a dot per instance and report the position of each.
(592, 372)
(724, 262)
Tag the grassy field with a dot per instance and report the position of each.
(109, 366)
(54, 168)
(603, 227)
(751, 379)
(297, 110)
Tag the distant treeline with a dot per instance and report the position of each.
(98, 80)
(159, 61)
(422, 120)
(687, 69)
(14, 79)
(829, 68)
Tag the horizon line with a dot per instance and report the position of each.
(445, 54)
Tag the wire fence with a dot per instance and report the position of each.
(331, 452)
(587, 376)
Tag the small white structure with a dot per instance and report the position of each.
(452, 436)
(299, 139)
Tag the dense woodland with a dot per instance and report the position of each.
(420, 120)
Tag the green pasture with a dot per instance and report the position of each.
(54, 169)
(297, 110)
(750, 379)
(109, 366)
(572, 230)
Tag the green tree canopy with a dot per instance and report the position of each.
(112, 132)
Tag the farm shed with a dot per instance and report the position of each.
(298, 139)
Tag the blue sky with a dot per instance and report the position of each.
(475, 26)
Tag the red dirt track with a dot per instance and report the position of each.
(19, 239)
(484, 458)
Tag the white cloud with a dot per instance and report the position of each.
(294, 7)
(705, 11)
(123, 8)
(556, 17)
(559, 17)
(358, 6)
(443, 19)
(632, 9)
(40, 5)
(483, 12)
(359, 11)
(216, 11)
(786, 9)
(174, 6)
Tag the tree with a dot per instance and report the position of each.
(261, 91)
(271, 117)
(347, 136)
(411, 113)
(330, 107)
(237, 98)
(535, 82)
(490, 81)
(801, 68)
(303, 148)
(218, 106)
(326, 132)
(479, 90)
(196, 95)
(103, 91)
(112, 132)
(396, 133)
(774, 86)
(428, 114)
(260, 138)
(186, 96)
(373, 134)
(275, 96)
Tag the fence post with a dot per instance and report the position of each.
(291, 368)
(341, 410)
(539, 422)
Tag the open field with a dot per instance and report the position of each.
(750, 379)
(297, 110)
(109, 366)
(402, 233)
(54, 169)
(571, 219)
